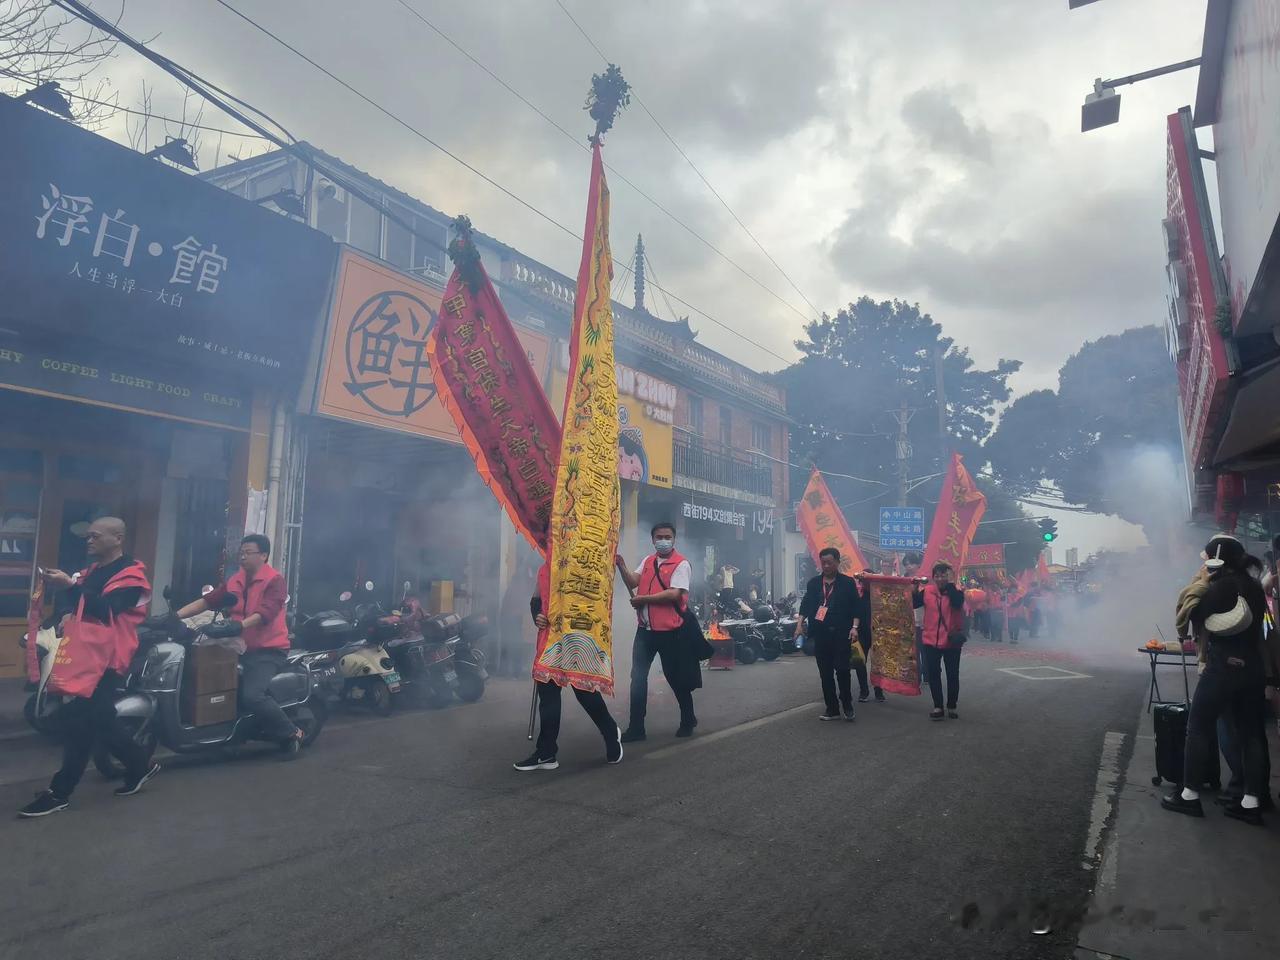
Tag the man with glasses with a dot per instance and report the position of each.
(256, 595)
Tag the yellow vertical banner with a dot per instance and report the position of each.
(577, 649)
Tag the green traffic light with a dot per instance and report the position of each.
(1048, 537)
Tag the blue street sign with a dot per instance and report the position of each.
(902, 528)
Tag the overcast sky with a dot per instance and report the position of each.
(923, 150)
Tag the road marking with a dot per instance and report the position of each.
(730, 731)
(1105, 792)
(1044, 673)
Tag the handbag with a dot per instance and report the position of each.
(82, 658)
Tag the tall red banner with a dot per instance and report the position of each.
(960, 508)
(487, 384)
(823, 525)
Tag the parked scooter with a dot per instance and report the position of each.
(344, 649)
(150, 710)
(437, 655)
(41, 707)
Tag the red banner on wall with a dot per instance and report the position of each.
(823, 525)
(960, 508)
(985, 555)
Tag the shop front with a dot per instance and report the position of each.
(146, 325)
(385, 492)
(730, 543)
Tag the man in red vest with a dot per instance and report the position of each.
(105, 603)
(256, 594)
(661, 586)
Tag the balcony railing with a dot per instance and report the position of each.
(699, 460)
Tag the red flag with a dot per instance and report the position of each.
(823, 525)
(491, 390)
(960, 508)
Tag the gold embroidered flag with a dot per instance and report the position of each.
(577, 650)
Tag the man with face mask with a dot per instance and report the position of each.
(661, 586)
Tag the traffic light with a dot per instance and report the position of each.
(1048, 530)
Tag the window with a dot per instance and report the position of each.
(761, 437)
(366, 227)
(429, 245)
(400, 240)
(269, 184)
(726, 426)
(331, 211)
(695, 414)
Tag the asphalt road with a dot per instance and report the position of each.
(767, 835)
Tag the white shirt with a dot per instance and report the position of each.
(727, 573)
(681, 577)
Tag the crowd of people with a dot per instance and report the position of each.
(1229, 610)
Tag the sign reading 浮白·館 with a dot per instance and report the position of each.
(101, 244)
(902, 528)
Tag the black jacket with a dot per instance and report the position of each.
(843, 607)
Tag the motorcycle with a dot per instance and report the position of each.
(345, 650)
(437, 655)
(748, 640)
(150, 712)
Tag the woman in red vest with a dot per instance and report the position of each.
(943, 605)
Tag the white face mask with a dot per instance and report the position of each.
(664, 546)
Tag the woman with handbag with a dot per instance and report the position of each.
(943, 604)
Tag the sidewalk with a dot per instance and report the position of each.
(1170, 887)
(12, 697)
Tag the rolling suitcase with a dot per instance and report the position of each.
(1170, 721)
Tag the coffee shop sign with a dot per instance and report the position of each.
(109, 244)
(697, 511)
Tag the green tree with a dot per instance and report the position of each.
(1116, 402)
(861, 365)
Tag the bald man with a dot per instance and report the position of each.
(102, 604)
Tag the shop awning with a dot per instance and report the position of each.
(1252, 434)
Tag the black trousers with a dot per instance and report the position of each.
(832, 655)
(258, 669)
(935, 657)
(549, 717)
(657, 643)
(84, 722)
(1232, 683)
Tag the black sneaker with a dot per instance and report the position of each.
(937, 715)
(632, 735)
(130, 788)
(848, 714)
(613, 748)
(685, 730)
(879, 695)
(44, 804)
(864, 697)
(1252, 817)
(953, 713)
(535, 762)
(1176, 804)
(829, 715)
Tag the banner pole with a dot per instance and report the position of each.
(533, 709)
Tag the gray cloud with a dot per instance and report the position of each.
(933, 116)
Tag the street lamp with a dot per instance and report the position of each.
(175, 150)
(49, 96)
(1102, 107)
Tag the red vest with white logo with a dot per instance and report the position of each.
(662, 616)
(272, 635)
(121, 634)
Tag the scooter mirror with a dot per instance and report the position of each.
(206, 590)
(368, 586)
(344, 596)
(407, 586)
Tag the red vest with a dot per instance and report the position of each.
(121, 634)
(272, 635)
(662, 616)
(940, 618)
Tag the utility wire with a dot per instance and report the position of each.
(418, 133)
(694, 168)
(156, 116)
(611, 168)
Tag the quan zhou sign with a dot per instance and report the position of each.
(103, 243)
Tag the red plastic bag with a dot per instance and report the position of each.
(82, 658)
